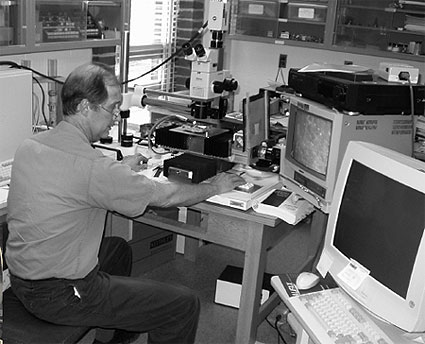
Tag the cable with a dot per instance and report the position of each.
(156, 124)
(412, 111)
(18, 66)
(15, 65)
(406, 77)
(280, 72)
(35, 112)
(277, 330)
(43, 102)
(178, 51)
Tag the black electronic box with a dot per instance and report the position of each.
(358, 95)
(194, 168)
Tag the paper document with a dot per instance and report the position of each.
(283, 204)
(325, 67)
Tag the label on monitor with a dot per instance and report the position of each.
(353, 274)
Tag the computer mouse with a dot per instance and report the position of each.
(307, 280)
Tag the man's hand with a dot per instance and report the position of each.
(136, 162)
(173, 193)
(226, 182)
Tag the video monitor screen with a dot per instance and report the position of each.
(311, 141)
(380, 225)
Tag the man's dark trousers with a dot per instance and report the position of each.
(108, 298)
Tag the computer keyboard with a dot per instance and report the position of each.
(341, 318)
(5, 172)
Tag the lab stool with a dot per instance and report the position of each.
(21, 327)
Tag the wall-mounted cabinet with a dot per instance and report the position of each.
(256, 18)
(391, 28)
(12, 23)
(289, 20)
(28, 26)
(302, 21)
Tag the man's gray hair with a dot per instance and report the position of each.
(89, 82)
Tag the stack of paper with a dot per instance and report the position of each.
(284, 204)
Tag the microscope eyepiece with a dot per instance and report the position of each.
(199, 50)
(187, 49)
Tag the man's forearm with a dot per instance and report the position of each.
(180, 194)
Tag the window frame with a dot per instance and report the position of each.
(153, 54)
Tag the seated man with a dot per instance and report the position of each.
(61, 190)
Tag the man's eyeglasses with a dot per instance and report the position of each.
(115, 112)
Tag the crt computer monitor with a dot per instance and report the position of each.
(15, 110)
(316, 141)
(374, 245)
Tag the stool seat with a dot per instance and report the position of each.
(21, 327)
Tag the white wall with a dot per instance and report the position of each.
(67, 60)
(252, 64)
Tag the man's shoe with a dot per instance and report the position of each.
(124, 337)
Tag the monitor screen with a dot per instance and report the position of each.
(374, 245)
(312, 141)
(380, 225)
(316, 141)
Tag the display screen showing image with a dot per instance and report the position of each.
(312, 139)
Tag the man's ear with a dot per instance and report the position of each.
(84, 107)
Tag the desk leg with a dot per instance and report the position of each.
(254, 266)
(318, 226)
(302, 336)
(191, 246)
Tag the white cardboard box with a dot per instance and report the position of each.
(241, 199)
(229, 286)
(391, 72)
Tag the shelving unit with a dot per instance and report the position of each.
(302, 21)
(28, 26)
(387, 28)
(381, 25)
(256, 18)
(12, 23)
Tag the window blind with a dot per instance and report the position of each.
(152, 40)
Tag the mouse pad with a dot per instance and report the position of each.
(289, 283)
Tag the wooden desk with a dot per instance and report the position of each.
(246, 231)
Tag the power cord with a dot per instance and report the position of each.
(156, 124)
(177, 52)
(405, 76)
(276, 327)
(15, 65)
(43, 102)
